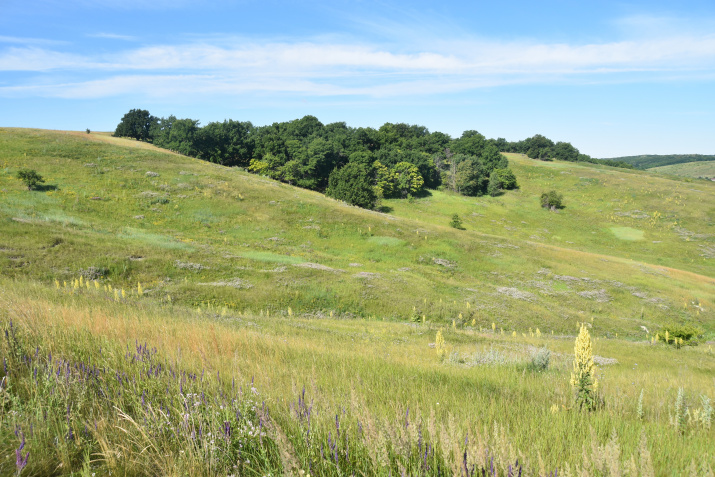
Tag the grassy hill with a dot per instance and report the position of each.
(649, 161)
(263, 286)
(689, 169)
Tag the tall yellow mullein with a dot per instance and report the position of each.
(440, 345)
(583, 377)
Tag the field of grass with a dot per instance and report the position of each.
(210, 298)
(689, 169)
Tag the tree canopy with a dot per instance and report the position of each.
(400, 159)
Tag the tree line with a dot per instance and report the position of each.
(357, 165)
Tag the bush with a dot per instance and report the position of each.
(495, 184)
(552, 200)
(688, 333)
(456, 222)
(352, 184)
(30, 177)
(540, 360)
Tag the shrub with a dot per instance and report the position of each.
(552, 200)
(456, 222)
(687, 333)
(540, 359)
(30, 177)
(352, 184)
(495, 184)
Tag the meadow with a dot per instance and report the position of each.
(229, 324)
(689, 169)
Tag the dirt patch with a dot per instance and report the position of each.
(515, 293)
(317, 266)
(597, 295)
(233, 283)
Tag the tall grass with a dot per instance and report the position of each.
(340, 396)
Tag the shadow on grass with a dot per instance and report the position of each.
(385, 209)
(422, 194)
(45, 188)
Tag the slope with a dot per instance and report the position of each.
(209, 236)
(694, 170)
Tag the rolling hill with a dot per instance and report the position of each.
(649, 161)
(166, 315)
(695, 170)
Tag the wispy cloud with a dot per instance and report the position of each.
(29, 41)
(113, 36)
(345, 68)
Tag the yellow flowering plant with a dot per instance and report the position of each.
(583, 377)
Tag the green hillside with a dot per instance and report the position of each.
(703, 169)
(204, 233)
(648, 161)
(235, 324)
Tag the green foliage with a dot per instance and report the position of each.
(377, 350)
(407, 179)
(384, 181)
(540, 360)
(471, 178)
(507, 178)
(552, 200)
(228, 143)
(30, 177)
(564, 151)
(495, 184)
(456, 222)
(137, 124)
(688, 333)
(352, 183)
(648, 161)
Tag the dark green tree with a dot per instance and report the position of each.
(137, 124)
(471, 143)
(507, 178)
(471, 178)
(491, 158)
(228, 143)
(564, 151)
(30, 177)
(353, 183)
(495, 184)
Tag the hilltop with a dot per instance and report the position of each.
(649, 161)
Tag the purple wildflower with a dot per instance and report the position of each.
(21, 461)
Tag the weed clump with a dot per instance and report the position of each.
(440, 345)
(540, 360)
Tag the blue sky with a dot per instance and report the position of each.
(612, 78)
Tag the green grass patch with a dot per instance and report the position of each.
(627, 233)
(386, 241)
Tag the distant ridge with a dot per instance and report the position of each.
(648, 161)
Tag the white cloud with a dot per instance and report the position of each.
(113, 36)
(349, 68)
(29, 41)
